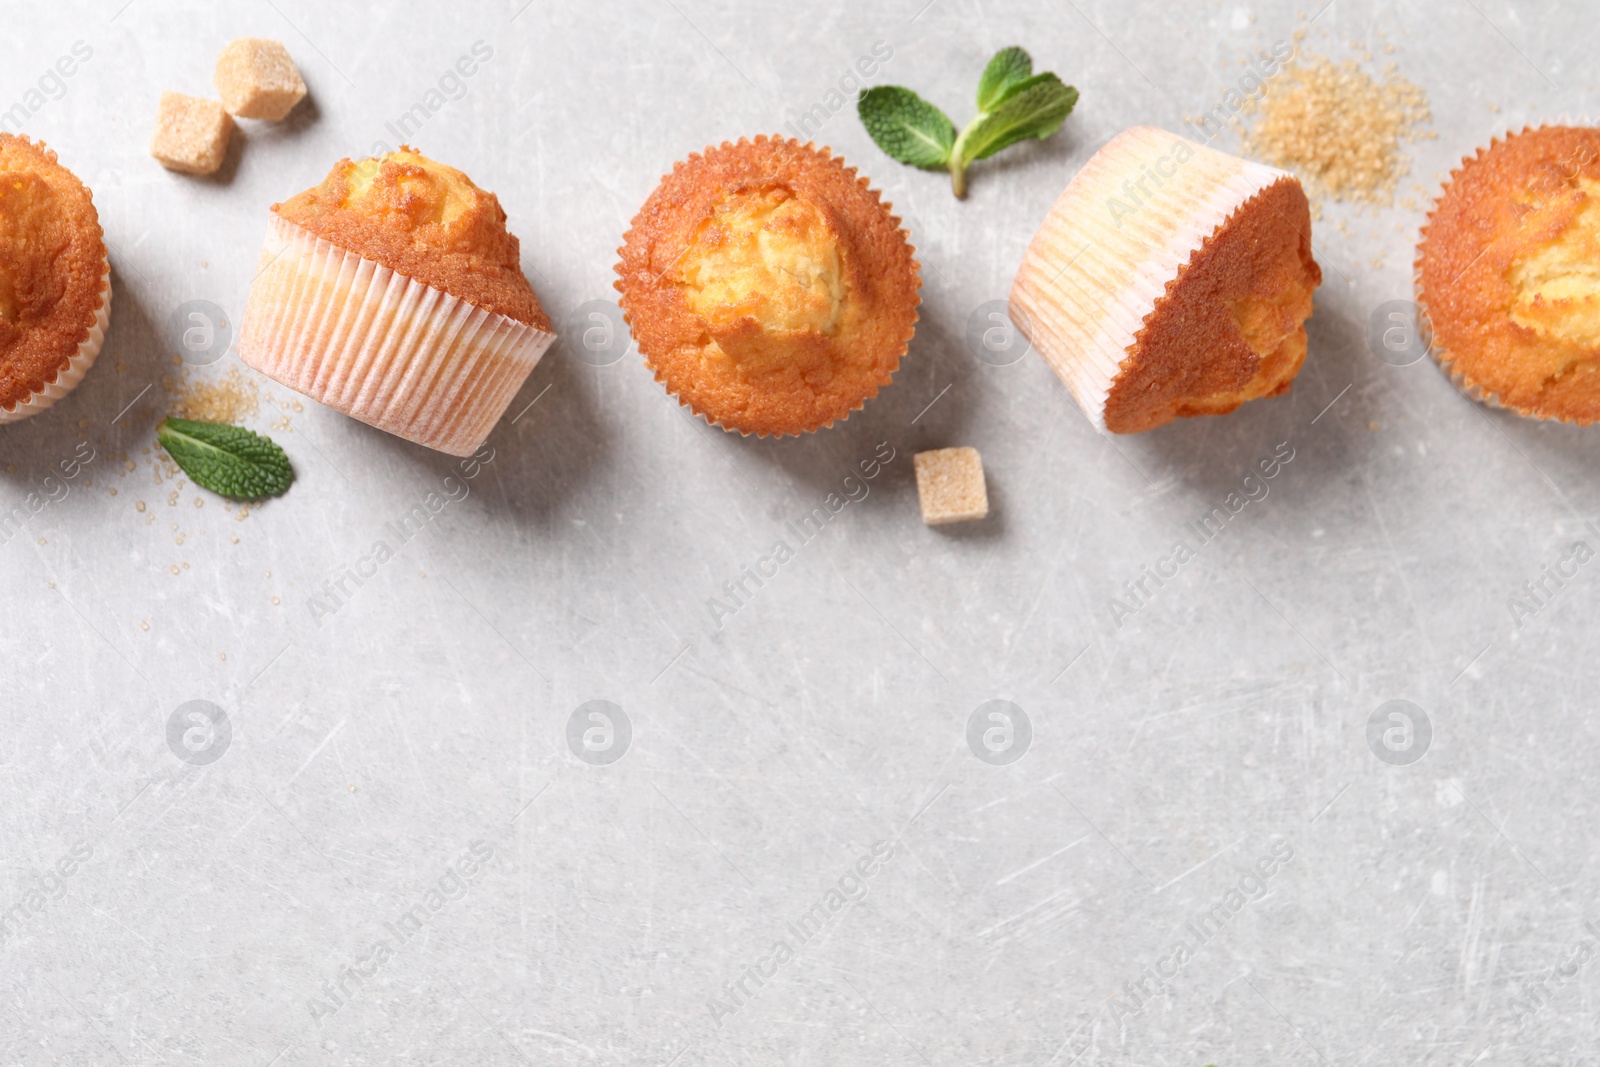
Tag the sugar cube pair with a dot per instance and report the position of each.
(256, 79)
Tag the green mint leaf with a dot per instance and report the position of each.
(1036, 108)
(1008, 68)
(907, 127)
(1014, 104)
(228, 460)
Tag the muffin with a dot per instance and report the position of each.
(768, 287)
(394, 293)
(1169, 280)
(1508, 274)
(55, 279)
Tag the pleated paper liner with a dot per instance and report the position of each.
(1124, 227)
(78, 364)
(380, 347)
(1441, 355)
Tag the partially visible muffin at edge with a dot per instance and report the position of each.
(55, 279)
(393, 292)
(768, 287)
(1508, 274)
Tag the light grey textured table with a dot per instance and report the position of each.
(231, 911)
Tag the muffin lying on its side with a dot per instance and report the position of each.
(1170, 280)
(394, 293)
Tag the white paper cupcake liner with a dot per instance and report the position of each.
(1107, 249)
(68, 378)
(380, 347)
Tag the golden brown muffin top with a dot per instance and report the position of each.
(426, 221)
(52, 267)
(1508, 270)
(768, 286)
(1230, 327)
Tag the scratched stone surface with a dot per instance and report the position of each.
(521, 792)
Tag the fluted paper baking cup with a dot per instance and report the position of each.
(77, 366)
(389, 350)
(1122, 229)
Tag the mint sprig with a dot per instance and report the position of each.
(1014, 104)
(228, 460)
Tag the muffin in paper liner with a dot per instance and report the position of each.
(78, 364)
(50, 242)
(368, 335)
(1169, 280)
(1508, 300)
(770, 289)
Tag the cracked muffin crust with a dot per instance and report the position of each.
(393, 292)
(768, 287)
(1508, 274)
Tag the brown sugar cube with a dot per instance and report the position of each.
(950, 485)
(257, 79)
(191, 134)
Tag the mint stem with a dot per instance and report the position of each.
(958, 160)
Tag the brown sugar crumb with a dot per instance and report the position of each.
(231, 398)
(1338, 128)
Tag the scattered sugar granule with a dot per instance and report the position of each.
(1338, 128)
(231, 398)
